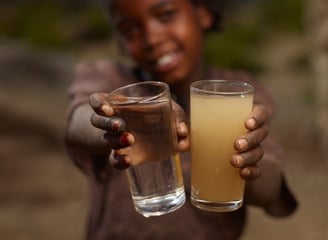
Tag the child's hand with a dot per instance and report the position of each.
(248, 146)
(182, 127)
(115, 136)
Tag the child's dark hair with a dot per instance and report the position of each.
(215, 7)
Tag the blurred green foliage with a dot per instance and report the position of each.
(286, 15)
(246, 25)
(51, 23)
(233, 48)
(65, 23)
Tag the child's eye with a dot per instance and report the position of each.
(167, 15)
(129, 30)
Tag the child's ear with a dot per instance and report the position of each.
(205, 17)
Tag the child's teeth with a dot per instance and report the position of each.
(165, 59)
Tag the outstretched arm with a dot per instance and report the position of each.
(260, 161)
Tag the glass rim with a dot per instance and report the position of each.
(248, 88)
(145, 99)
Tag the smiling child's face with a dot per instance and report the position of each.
(164, 37)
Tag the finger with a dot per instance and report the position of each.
(257, 118)
(182, 127)
(119, 161)
(113, 124)
(99, 104)
(179, 113)
(122, 140)
(250, 173)
(183, 137)
(248, 158)
(251, 139)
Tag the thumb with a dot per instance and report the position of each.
(182, 127)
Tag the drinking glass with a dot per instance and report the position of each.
(218, 112)
(155, 177)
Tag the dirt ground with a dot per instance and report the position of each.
(43, 196)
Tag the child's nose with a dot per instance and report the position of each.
(154, 34)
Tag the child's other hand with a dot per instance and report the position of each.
(248, 146)
(115, 136)
(182, 127)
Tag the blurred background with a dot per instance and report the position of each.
(284, 43)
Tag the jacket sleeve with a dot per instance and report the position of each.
(91, 77)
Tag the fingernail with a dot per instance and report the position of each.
(238, 160)
(182, 127)
(107, 109)
(242, 144)
(251, 122)
(117, 125)
(121, 162)
(127, 139)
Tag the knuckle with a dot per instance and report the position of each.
(93, 118)
(257, 172)
(262, 108)
(94, 101)
(266, 131)
(253, 140)
(260, 152)
(261, 114)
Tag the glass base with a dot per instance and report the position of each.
(160, 205)
(217, 206)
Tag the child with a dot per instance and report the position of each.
(165, 40)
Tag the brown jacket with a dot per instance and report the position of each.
(112, 215)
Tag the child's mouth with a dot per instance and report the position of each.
(167, 62)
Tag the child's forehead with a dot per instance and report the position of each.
(112, 3)
(117, 7)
